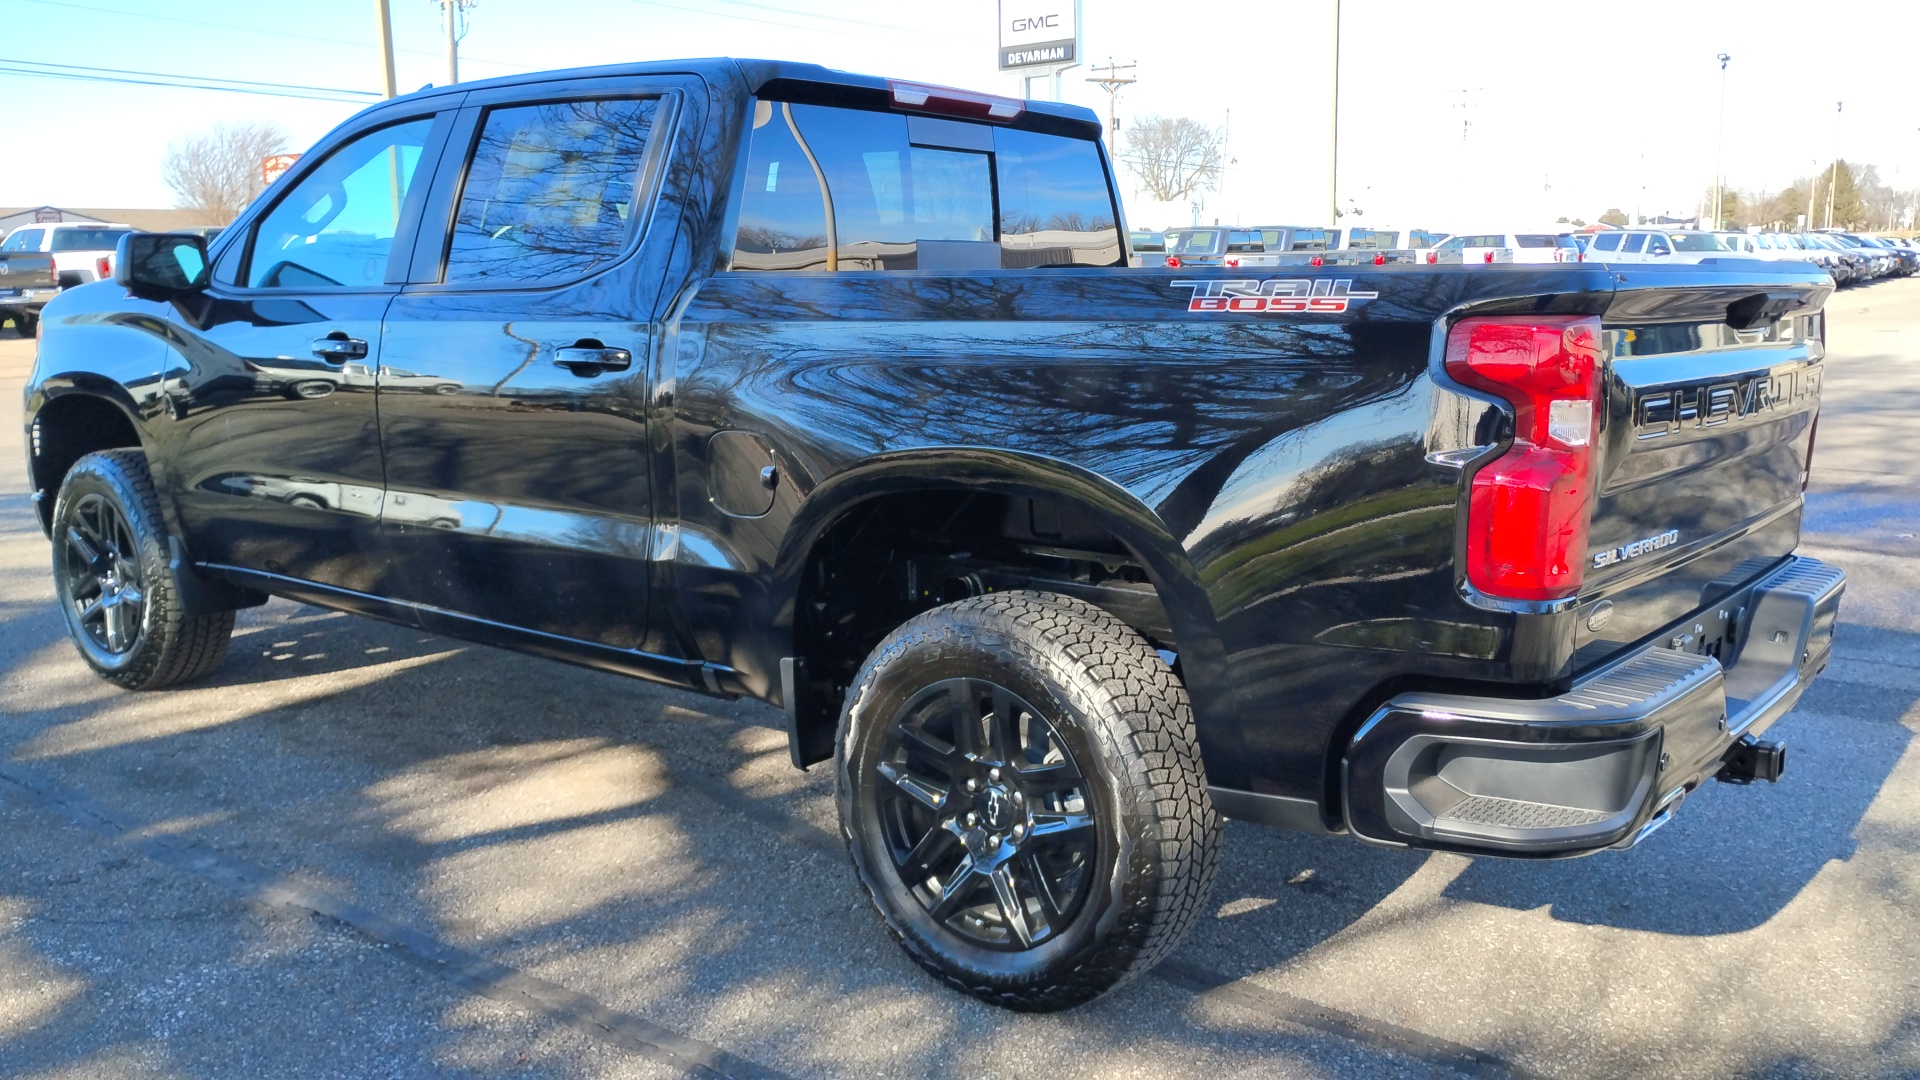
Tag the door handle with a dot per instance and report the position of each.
(598, 357)
(338, 348)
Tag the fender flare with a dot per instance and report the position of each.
(1210, 686)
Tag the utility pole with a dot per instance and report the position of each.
(385, 19)
(1719, 141)
(1838, 108)
(1112, 82)
(456, 11)
(1333, 156)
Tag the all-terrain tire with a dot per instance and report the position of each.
(168, 646)
(1128, 722)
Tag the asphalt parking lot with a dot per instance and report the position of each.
(358, 850)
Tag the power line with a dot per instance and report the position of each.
(184, 82)
(250, 29)
(833, 18)
(775, 22)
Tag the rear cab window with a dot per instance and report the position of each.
(1372, 239)
(1607, 242)
(1535, 240)
(24, 240)
(831, 188)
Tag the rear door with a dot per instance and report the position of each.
(513, 386)
(1705, 444)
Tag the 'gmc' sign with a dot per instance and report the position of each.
(1039, 33)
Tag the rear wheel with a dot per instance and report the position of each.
(1023, 798)
(26, 324)
(112, 570)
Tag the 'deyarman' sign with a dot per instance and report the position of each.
(1039, 33)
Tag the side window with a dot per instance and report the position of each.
(1607, 242)
(335, 228)
(550, 191)
(24, 240)
(1452, 243)
(783, 216)
(1634, 244)
(1055, 209)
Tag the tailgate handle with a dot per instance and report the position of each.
(1761, 309)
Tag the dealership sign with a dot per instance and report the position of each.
(1039, 33)
(273, 165)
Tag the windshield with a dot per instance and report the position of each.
(87, 239)
(1696, 242)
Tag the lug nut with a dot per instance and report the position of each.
(973, 784)
(993, 775)
(972, 819)
(994, 840)
(1018, 797)
(1019, 832)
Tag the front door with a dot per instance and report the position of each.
(273, 445)
(513, 384)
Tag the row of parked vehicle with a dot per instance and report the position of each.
(1849, 258)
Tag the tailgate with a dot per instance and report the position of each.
(1712, 389)
(26, 270)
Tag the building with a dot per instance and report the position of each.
(147, 220)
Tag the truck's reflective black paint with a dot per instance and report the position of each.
(1291, 485)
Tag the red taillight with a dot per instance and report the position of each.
(1233, 262)
(101, 269)
(1316, 261)
(1173, 261)
(53, 266)
(1489, 256)
(1528, 510)
(947, 101)
(1379, 260)
(1433, 257)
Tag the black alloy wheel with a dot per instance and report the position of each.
(1022, 795)
(104, 586)
(985, 814)
(118, 583)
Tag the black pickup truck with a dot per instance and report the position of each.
(765, 380)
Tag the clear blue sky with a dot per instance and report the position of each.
(1573, 107)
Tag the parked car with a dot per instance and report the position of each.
(1361, 238)
(1663, 245)
(75, 253)
(1855, 266)
(1533, 247)
(1054, 561)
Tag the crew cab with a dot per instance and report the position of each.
(1523, 247)
(37, 261)
(835, 392)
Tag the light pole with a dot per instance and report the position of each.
(1719, 141)
(1333, 174)
(1838, 108)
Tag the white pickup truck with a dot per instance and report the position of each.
(46, 257)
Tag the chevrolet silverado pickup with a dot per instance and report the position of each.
(765, 380)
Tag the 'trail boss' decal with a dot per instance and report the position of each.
(1274, 295)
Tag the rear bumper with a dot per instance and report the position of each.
(1605, 763)
(26, 299)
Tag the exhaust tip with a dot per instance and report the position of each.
(1752, 759)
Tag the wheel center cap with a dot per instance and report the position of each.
(996, 808)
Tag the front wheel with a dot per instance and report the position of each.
(1023, 798)
(112, 570)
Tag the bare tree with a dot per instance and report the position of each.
(218, 170)
(1173, 156)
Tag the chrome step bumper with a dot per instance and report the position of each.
(1603, 764)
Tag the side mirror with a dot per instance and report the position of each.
(160, 265)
